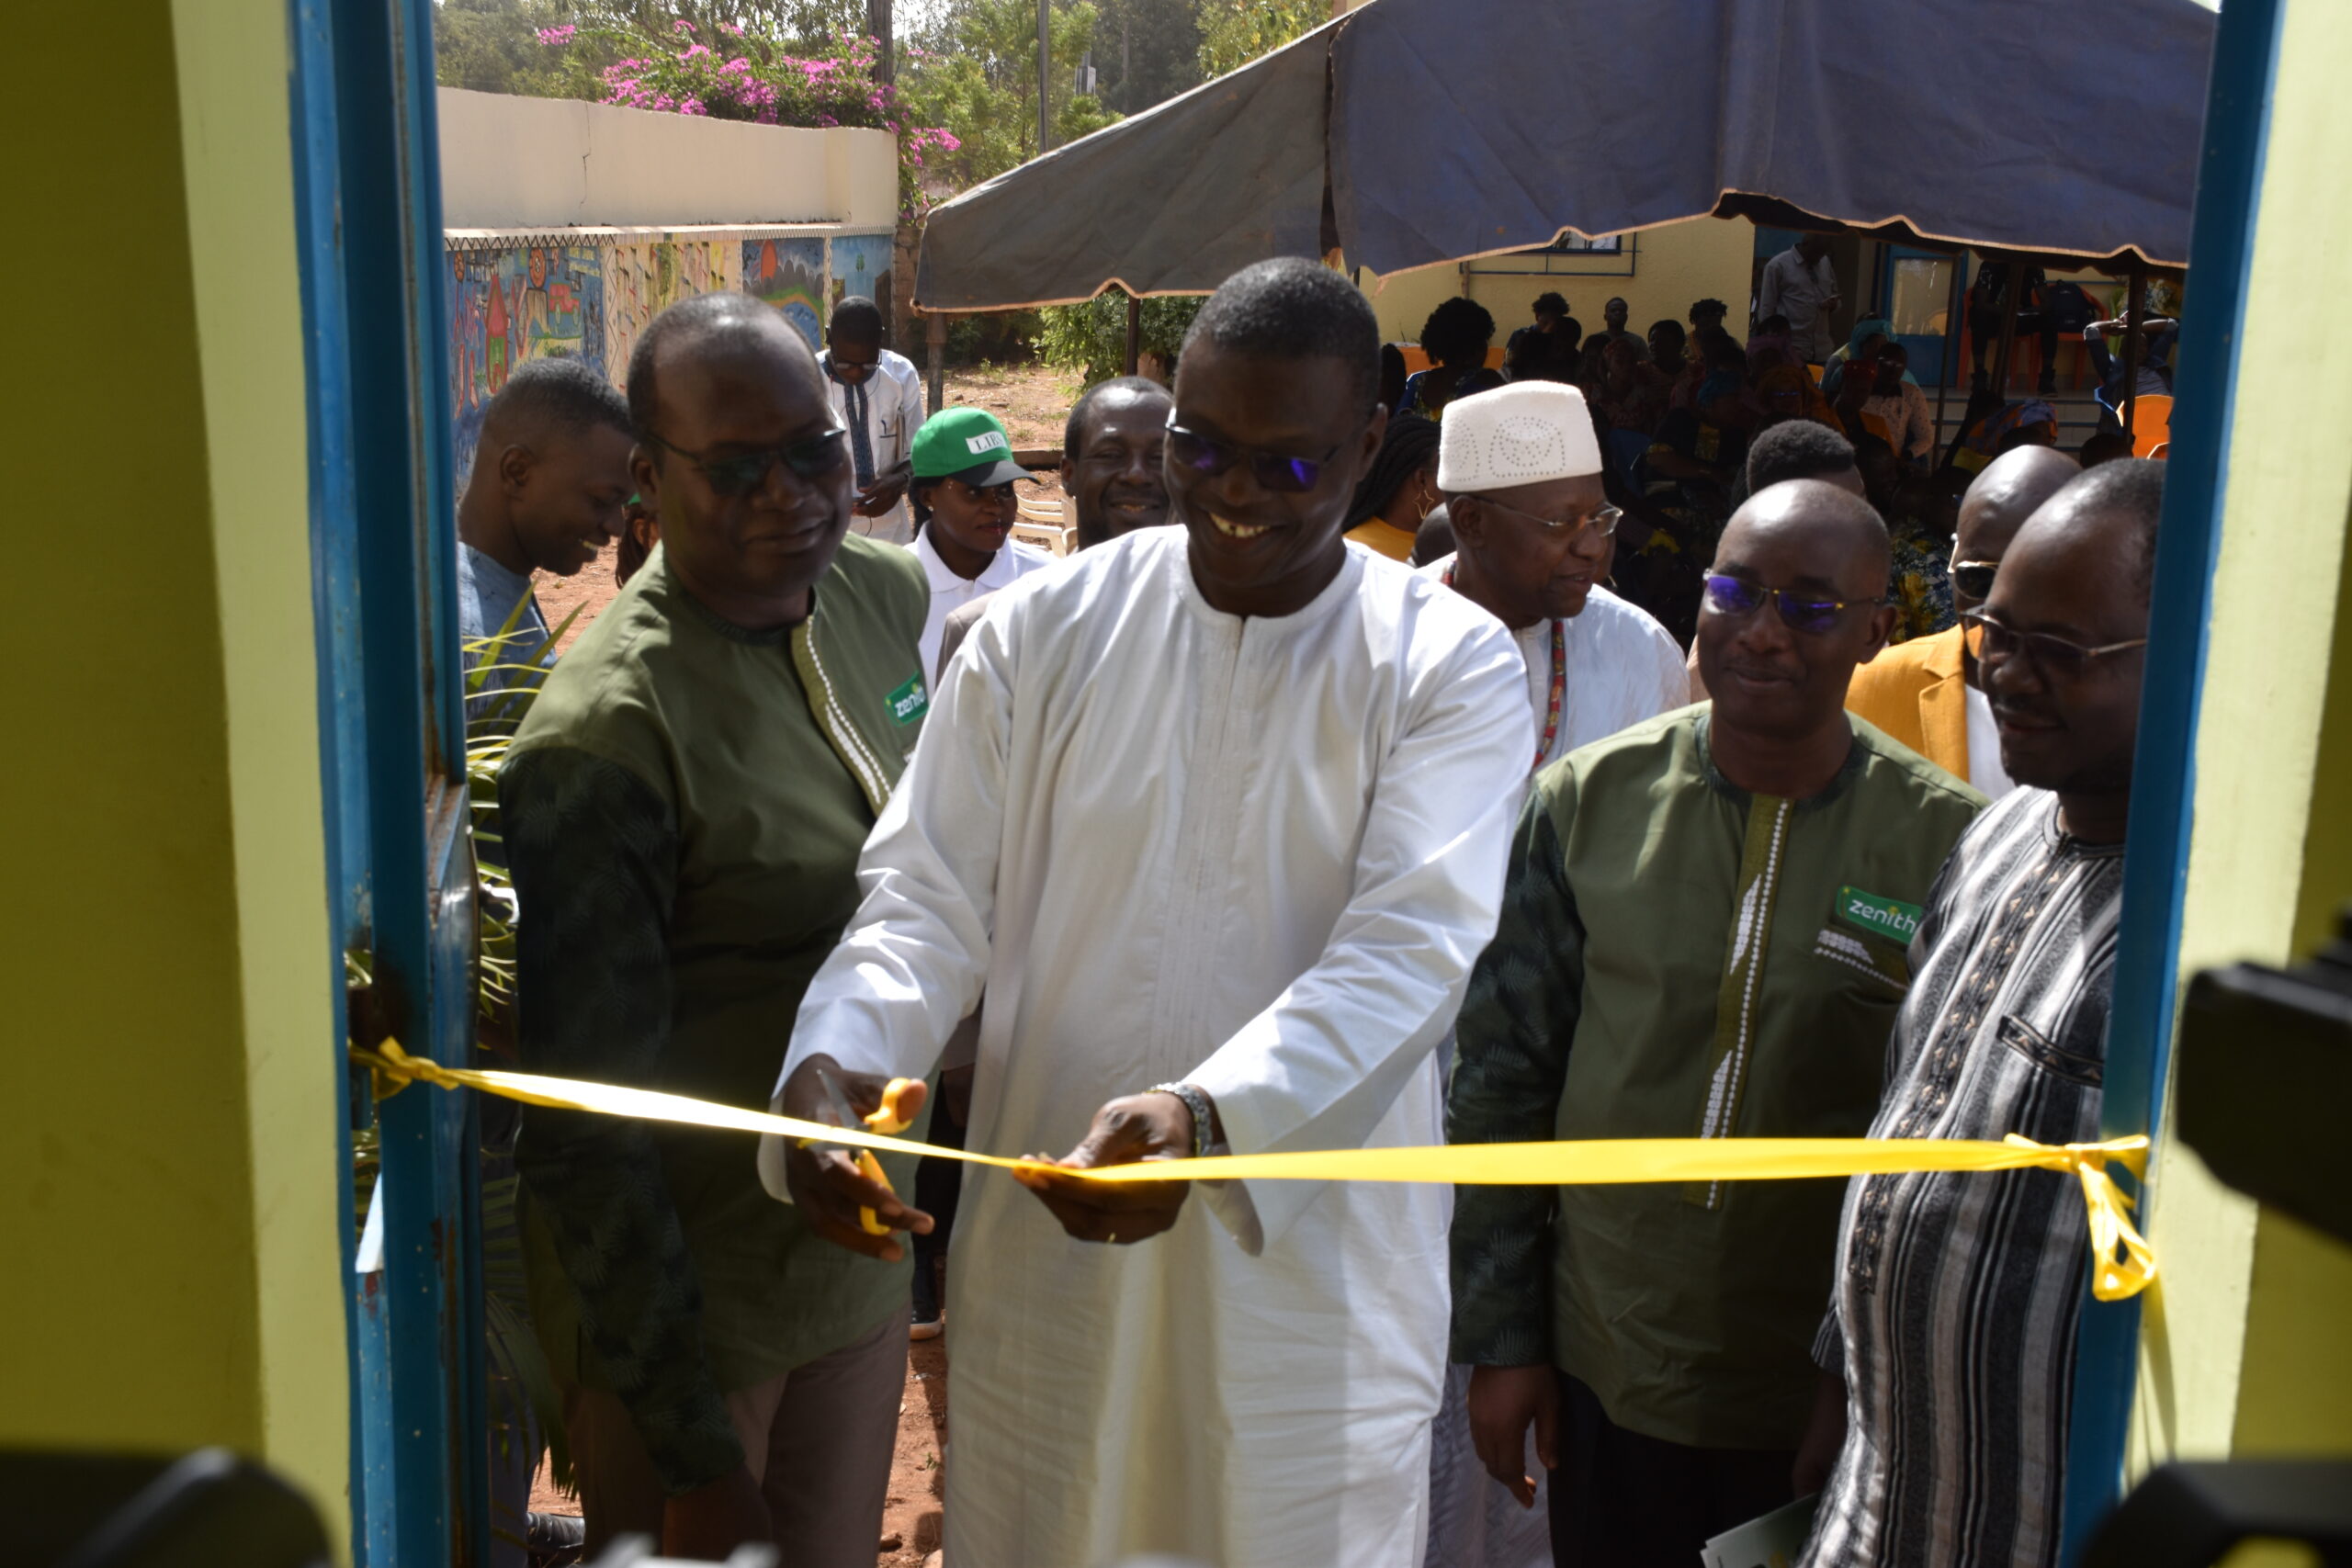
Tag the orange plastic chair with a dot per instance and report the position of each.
(2151, 424)
(1416, 359)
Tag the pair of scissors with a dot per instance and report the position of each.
(885, 1120)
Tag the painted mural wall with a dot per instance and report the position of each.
(588, 294)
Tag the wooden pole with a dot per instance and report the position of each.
(878, 24)
(2016, 291)
(2134, 307)
(1045, 72)
(1952, 342)
(1135, 334)
(935, 352)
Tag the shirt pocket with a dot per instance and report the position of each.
(1882, 967)
(2075, 1066)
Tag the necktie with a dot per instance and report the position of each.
(861, 447)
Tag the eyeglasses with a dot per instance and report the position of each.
(1209, 455)
(1974, 578)
(1799, 612)
(740, 476)
(1601, 525)
(1991, 642)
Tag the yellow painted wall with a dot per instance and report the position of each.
(1673, 264)
(168, 1186)
(2241, 1347)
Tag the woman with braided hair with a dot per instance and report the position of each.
(1397, 490)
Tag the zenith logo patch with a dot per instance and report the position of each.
(910, 702)
(1879, 915)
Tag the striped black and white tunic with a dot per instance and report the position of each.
(1954, 1308)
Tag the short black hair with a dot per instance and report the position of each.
(1294, 308)
(1071, 427)
(2133, 490)
(857, 318)
(1552, 300)
(1458, 329)
(702, 316)
(559, 393)
(1668, 326)
(1715, 307)
(1797, 449)
(1773, 323)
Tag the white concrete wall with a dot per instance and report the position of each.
(518, 163)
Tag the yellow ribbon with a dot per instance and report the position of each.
(1584, 1162)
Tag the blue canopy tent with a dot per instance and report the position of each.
(1412, 132)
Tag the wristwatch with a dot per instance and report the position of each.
(1203, 1114)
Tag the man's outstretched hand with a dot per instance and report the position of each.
(1136, 1127)
(825, 1183)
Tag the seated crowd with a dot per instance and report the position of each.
(1725, 763)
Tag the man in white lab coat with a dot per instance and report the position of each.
(1210, 813)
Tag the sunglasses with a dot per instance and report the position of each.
(1974, 578)
(741, 475)
(1991, 642)
(1207, 456)
(1799, 612)
(1602, 524)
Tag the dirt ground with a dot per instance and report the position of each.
(1032, 400)
(910, 1515)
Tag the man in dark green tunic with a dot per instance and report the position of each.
(684, 810)
(1704, 934)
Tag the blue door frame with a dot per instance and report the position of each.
(383, 543)
(2155, 863)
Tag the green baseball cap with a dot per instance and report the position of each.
(954, 443)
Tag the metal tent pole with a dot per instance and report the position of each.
(2135, 305)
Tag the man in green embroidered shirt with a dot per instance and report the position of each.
(684, 809)
(1704, 934)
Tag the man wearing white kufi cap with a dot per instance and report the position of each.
(1532, 528)
(1521, 469)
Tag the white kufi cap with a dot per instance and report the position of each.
(1524, 434)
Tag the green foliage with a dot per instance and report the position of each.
(1146, 52)
(1093, 338)
(972, 71)
(1234, 33)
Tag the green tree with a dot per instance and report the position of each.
(972, 72)
(1146, 52)
(1234, 33)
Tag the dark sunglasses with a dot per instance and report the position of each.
(740, 476)
(1209, 455)
(1799, 612)
(1974, 578)
(1991, 642)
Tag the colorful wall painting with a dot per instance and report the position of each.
(862, 266)
(643, 278)
(789, 274)
(513, 304)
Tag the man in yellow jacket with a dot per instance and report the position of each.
(1924, 692)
